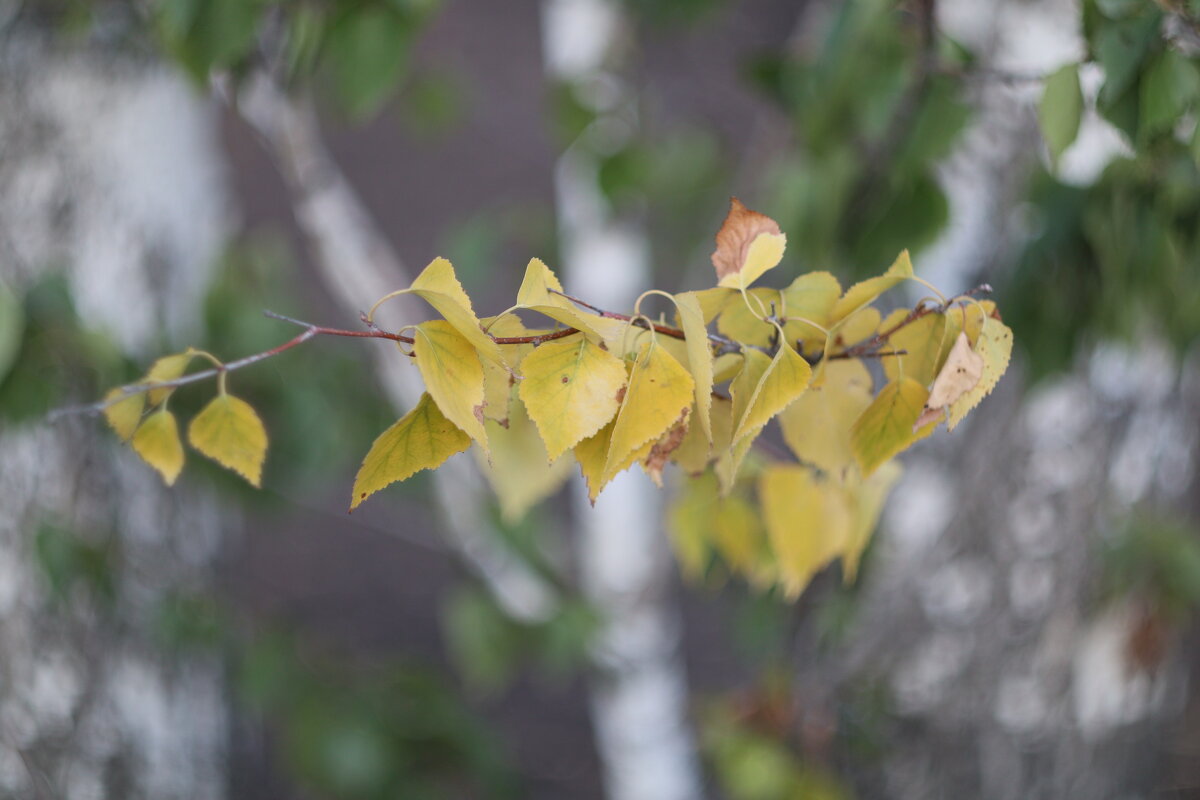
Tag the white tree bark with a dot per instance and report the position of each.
(639, 692)
(112, 176)
(358, 266)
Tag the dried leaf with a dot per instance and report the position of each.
(994, 346)
(422, 439)
(157, 442)
(748, 244)
(662, 449)
(960, 374)
(229, 432)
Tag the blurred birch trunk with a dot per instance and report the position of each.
(111, 177)
(1010, 676)
(639, 695)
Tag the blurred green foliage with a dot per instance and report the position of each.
(1157, 559)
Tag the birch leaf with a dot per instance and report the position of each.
(783, 381)
(167, 368)
(713, 301)
(866, 504)
(536, 295)
(808, 523)
(865, 292)
(695, 453)
(453, 375)
(856, 327)
(748, 244)
(817, 426)
(660, 392)
(520, 472)
(591, 454)
(124, 415)
(497, 393)
(571, 388)
(12, 324)
(664, 447)
(811, 296)
(229, 432)
(741, 321)
(994, 345)
(421, 439)
(960, 374)
(438, 285)
(924, 341)
(886, 427)
(157, 442)
(699, 354)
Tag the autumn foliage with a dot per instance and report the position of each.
(849, 388)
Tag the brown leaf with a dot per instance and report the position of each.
(960, 374)
(739, 229)
(664, 447)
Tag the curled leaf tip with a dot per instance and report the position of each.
(739, 230)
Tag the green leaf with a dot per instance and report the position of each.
(229, 432)
(1061, 109)
(157, 442)
(12, 323)
(422, 439)
(1168, 89)
(571, 388)
(367, 50)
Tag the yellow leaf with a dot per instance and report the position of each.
(572, 388)
(167, 368)
(713, 301)
(520, 472)
(726, 366)
(924, 342)
(856, 327)
(124, 415)
(157, 442)
(817, 426)
(886, 427)
(422, 439)
(864, 292)
(994, 345)
(729, 462)
(866, 503)
(659, 396)
(453, 374)
(536, 294)
(808, 522)
(497, 392)
(741, 321)
(812, 297)
(699, 355)
(748, 244)
(438, 285)
(591, 454)
(783, 380)
(968, 318)
(960, 374)
(695, 453)
(229, 432)
(689, 524)
(664, 447)
(739, 535)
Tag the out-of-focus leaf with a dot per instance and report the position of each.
(12, 322)
(1061, 109)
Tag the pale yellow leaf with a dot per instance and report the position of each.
(537, 293)
(520, 471)
(856, 327)
(422, 439)
(695, 453)
(689, 524)
(124, 415)
(865, 292)
(438, 285)
(699, 355)
(866, 503)
(886, 427)
(165, 369)
(229, 432)
(960, 374)
(808, 522)
(783, 380)
(591, 454)
(742, 321)
(924, 341)
(453, 374)
(994, 345)
(572, 388)
(660, 393)
(497, 392)
(157, 442)
(739, 534)
(811, 296)
(817, 426)
(726, 366)
(713, 301)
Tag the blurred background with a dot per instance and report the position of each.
(1024, 624)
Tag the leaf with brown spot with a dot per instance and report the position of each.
(748, 244)
(960, 374)
(667, 444)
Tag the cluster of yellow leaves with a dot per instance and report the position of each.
(599, 391)
(227, 430)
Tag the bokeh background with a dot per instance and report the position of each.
(1024, 626)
